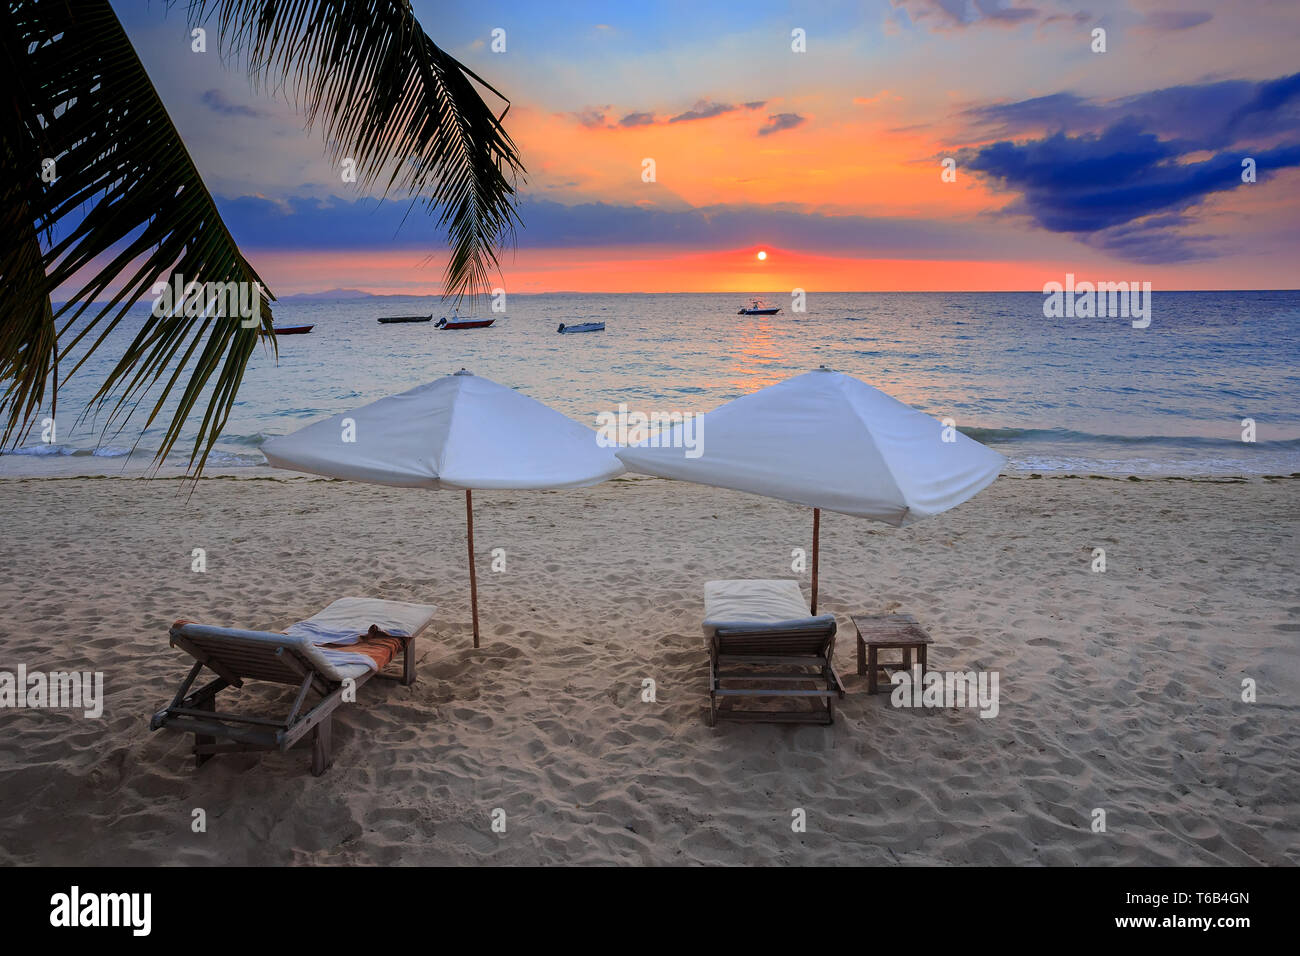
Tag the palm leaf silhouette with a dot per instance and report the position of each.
(126, 206)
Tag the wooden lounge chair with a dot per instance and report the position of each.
(383, 629)
(756, 626)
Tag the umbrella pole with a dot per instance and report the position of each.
(817, 527)
(473, 578)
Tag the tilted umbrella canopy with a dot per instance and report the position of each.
(827, 440)
(460, 432)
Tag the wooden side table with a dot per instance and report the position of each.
(889, 632)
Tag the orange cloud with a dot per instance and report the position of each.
(847, 163)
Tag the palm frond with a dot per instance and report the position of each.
(384, 95)
(28, 343)
(127, 206)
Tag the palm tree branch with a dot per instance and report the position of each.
(387, 97)
(84, 100)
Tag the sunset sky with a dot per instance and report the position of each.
(1123, 165)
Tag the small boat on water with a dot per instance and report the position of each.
(390, 319)
(458, 323)
(292, 329)
(582, 327)
(759, 307)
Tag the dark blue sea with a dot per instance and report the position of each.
(1055, 395)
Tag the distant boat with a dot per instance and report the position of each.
(390, 319)
(292, 329)
(758, 307)
(457, 323)
(582, 327)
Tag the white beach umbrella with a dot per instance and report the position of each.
(826, 440)
(460, 432)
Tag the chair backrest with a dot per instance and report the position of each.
(785, 642)
(250, 654)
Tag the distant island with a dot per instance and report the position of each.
(329, 295)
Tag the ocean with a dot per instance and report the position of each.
(1055, 395)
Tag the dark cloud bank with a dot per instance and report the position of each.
(1126, 174)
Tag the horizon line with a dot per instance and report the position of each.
(810, 292)
(426, 295)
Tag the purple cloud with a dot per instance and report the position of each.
(593, 117)
(704, 109)
(1176, 19)
(1124, 188)
(218, 102)
(779, 121)
(1205, 115)
(302, 224)
(964, 13)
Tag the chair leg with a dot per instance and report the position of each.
(713, 696)
(202, 739)
(833, 681)
(321, 758)
(408, 663)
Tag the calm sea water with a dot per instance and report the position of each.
(1082, 396)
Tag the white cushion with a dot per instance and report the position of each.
(334, 665)
(763, 603)
(346, 621)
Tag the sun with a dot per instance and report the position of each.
(762, 254)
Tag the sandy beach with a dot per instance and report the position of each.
(1119, 690)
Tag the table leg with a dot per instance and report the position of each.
(872, 668)
(862, 656)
